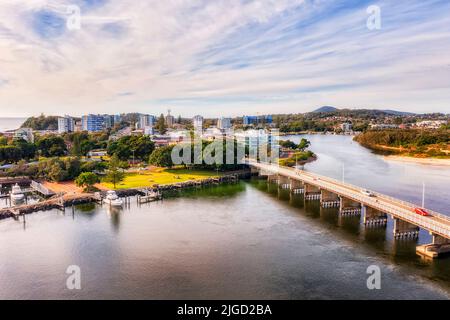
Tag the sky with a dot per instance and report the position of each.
(222, 57)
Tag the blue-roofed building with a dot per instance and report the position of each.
(249, 120)
(255, 120)
(93, 123)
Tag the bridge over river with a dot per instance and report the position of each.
(354, 200)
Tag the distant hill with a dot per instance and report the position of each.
(325, 109)
(329, 109)
(398, 113)
(41, 123)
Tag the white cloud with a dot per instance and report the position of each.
(224, 57)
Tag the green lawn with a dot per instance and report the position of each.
(160, 176)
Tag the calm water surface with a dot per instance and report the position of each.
(248, 240)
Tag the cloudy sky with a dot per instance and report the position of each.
(222, 57)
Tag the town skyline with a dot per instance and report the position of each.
(286, 56)
(216, 115)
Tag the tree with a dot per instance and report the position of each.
(114, 173)
(138, 147)
(288, 144)
(3, 141)
(304, 144)
(87, 180)
(51, 146)
(161, 124)
(73, 167)
(28, 150)
(76, 146)
(162, 157)
(10, 154)
(56, 172)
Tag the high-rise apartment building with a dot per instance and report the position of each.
(66, 124)
(93, 123)
(197, 122)
(224, 123)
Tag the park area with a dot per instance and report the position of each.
(159, 176)
(138, 179)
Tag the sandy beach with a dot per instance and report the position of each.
(425, 161)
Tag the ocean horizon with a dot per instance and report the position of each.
(12, 123)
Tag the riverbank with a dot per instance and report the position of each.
(424, 161)
(74, 198)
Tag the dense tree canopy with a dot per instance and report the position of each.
(83, 142)
(16, 150)
(139, 147)
(162, 157)
(161, 125)
(51, 146)
(404, 138)
(87, 180)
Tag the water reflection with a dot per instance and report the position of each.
(250, 240)
(378, 239)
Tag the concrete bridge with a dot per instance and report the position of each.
(353, 200)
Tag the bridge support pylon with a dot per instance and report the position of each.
(374, 217)
(329, 199)
(284, 182)
(272, 178)
(437, 248)
(404, 229)
(349, 207)
(311, 192)
(297, 186)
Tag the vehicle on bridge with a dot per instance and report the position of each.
(422, 212)
(368, 193)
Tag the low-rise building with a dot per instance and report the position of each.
(430, 124)
(381, 126)
(347, 127)
(25, 134)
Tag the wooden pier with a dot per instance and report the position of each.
(150, 197)
(56, 202)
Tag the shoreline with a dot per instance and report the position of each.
(423, 161)
(67, 200)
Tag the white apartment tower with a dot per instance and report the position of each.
(197, 122)
(66, 124)
(224, 123)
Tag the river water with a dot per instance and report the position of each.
(239, 241)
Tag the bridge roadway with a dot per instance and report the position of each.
(437, 224)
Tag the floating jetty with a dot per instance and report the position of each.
(56, 202)
(152, 196)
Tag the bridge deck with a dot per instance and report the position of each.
(438, 224)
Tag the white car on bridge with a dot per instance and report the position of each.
(368, 193)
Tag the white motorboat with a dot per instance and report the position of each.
(17, 194)
(113, 199)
